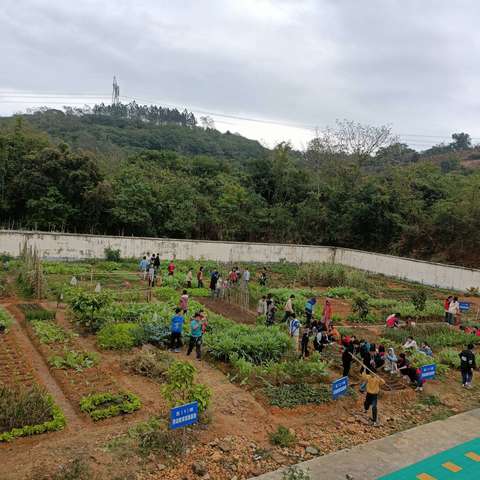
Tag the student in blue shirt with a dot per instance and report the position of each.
(176, 329)
(309, 306)
(196, 335)
(144, 266)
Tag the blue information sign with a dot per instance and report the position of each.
(339, 387)
(184, 415)
(429, 371)
(464, 306)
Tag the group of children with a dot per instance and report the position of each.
(198, 326)
(150, 269)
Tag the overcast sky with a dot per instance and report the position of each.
(298, 63)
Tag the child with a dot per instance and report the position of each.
(373, 388)
(204, 321)
(262, 306)
(143, 267)
(294, 331)
(305, 340)
(391, 361)
(184, 302)
(196, 336)
(176, 329)
(171, 268)
(189, 277)
(309, 307)
(200, 277)
(151, 275)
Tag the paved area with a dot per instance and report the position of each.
(441, 448)
(460, 463)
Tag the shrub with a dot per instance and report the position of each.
(156, 332)
(360, 306)
(419, 299)
(76, 469)
(152, 436)
(297, 394)
(112, 255)
(86, 308)
(430, 400)
(26, 412)
(74, 360)
(449, 357)
(282, 437)
(150, 364)
(120, 336)
(5, 318)
(181, 389)
(103, 405)
(49, 332)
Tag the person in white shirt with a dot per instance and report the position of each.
(262, 306)
(289, 312)
(246, 276)
(410, 343)
(453, 311)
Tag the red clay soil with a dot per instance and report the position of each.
(237, 419)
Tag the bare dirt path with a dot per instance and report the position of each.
(234, 410)
(35, 359)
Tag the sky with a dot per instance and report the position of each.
(272, 70)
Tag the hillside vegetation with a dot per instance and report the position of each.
(150, 171)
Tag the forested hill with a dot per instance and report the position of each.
(133, 127)
(139, 170)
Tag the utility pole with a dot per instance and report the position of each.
(115, 92)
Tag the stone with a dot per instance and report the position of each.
(199, 469)
(311, 450)
(224, 446)
(277, 457)
(216, 456)
(161, 467)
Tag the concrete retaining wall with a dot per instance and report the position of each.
(73, 246)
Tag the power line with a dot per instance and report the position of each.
(411, 138)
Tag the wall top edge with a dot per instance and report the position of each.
(183, 240)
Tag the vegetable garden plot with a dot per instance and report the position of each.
(15, 368)
(77, 379)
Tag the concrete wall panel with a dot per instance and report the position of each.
(72, 246)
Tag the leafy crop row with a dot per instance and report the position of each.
(103, 405)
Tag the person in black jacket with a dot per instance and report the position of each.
(347, 355)
(467, 364)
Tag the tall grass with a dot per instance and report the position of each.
(21, 407)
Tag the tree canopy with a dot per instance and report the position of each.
(153, 172)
